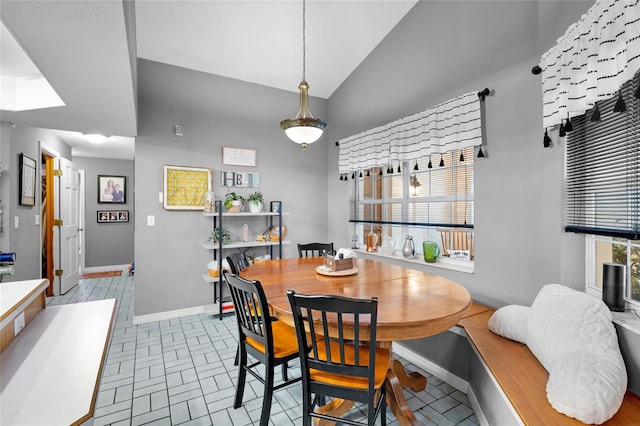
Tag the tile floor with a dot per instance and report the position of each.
(181, 372)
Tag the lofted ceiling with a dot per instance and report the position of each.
(86, 50)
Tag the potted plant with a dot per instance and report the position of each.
(255, 201)
(233, 202)
(226, 236)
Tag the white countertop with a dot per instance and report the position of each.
(13, 294)
(50, 373)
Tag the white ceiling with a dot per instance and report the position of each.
(82, 49)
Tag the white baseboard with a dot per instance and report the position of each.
(167, 315)
(105, 268)
(418, 360)
(477, 408)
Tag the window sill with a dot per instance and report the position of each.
(441, 262)
(628, 320)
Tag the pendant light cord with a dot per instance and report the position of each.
(304, 41)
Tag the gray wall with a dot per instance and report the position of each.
(25, 240)
(107, 243)
(439, 51)
(215, 112)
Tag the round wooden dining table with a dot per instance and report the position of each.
(411, 304)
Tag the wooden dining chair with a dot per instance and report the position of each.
(338, 354)
(270, 343)
(314, 249)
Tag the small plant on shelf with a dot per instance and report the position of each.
(255, 201)
(226, 236)
(233, 202)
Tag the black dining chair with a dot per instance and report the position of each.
(314, 249)
(270, 343)
(237, 262)
(338, 354)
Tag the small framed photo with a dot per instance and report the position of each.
(27, 181)
(112, 189)
(238, 156)
(113, 216)
(185, 188)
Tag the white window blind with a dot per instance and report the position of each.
(603, 170)
(443, 198)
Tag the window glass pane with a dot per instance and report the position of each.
(607, 252)
(393, 186)
(441, 182)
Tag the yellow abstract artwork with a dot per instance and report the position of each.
(185, 187)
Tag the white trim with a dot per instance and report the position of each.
(425, 364)
(477, 408)
(106, 268)
(167, 315)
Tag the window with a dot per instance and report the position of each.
(420, 203)
(602, 188)
(617, 250)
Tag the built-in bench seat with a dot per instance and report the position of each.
(522, 378)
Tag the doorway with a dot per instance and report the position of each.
(47, 216)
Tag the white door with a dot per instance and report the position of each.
(68, 241)
(81, 218)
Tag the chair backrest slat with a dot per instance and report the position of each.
(251, 309)
(314, 249)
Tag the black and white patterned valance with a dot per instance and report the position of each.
(452, 125)
(592, 60)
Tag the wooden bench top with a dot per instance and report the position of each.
(523, 379)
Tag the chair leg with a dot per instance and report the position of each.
(237, 360)
(242, 376)
(285, 373)
(268, 394)
(307, 407)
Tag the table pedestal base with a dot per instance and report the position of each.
(397, 379)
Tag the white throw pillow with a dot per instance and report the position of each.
(511, 322)
(564, 320)
(587, 386)
(573, 337)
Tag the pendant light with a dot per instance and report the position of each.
(304, 128)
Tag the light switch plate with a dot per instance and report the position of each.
(151, 220)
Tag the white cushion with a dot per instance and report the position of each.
(511, 322)
(587, 386)
(573, 337)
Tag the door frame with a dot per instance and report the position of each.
(51, 154)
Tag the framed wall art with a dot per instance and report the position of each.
(238, 156)
(27, 181)
(112, 216)
(185, 187)
(112, 189)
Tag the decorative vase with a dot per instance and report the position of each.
(255, 207)
(409, 248)
(371, 241)
(236, 206)
(387, 246)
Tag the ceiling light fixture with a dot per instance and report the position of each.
(96, 138)
(304, 128)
